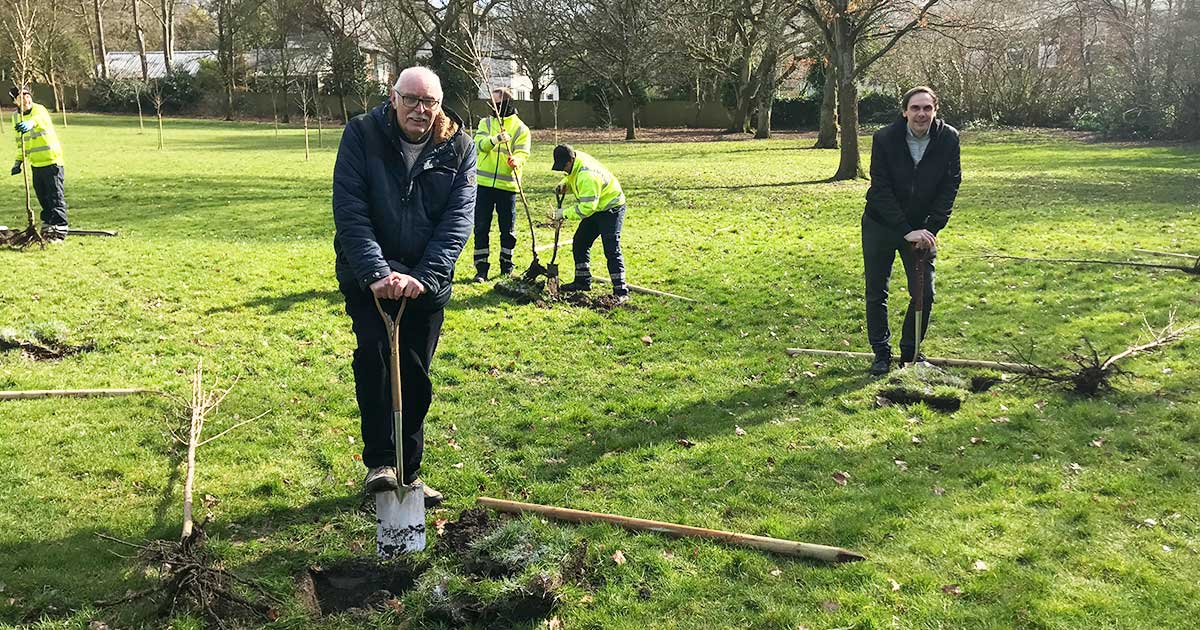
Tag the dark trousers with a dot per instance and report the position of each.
(48, 184)
(504, 203)
(607, 226)
(880, 245)
(419, 332)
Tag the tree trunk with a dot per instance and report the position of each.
(141, 40)
(168, 32)
(827, 137)
(631, 121)
(283, 64)
(850, 166)
(536, 93)
(102, 51)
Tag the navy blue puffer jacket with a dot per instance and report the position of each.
(390, 217)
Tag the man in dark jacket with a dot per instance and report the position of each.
(915, 175)
(403, 207)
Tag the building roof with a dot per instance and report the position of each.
(127, 65)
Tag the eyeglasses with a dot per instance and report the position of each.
(411, 101)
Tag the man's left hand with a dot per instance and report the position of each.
(408, 286)
(512, 162)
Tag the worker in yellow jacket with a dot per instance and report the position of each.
(503, 146)
(37, 142)
(600, 206)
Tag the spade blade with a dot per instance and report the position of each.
(400, 521)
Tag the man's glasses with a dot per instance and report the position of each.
(411, 101)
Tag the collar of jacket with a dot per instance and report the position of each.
(901, 129)
(445, 125)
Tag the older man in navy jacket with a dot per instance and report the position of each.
(915, 174)
(403, 208)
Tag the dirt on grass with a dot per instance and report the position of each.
(355, 584)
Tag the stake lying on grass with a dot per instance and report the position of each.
(1193, 269)
(776, 545)
(637, 289)
(1016, 368)
(72, 393)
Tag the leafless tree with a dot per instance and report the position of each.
(847, 27)
(534, 33)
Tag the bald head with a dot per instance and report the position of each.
(417, 99)
(419, 78)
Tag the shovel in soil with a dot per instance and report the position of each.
(399, 513)
(919, 296)
(552, 268)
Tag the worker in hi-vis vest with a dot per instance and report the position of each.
(38, 144)
(502, 141)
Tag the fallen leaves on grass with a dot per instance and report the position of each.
(902, 465)
(939, 491)
(952, 589)
(1098, 442)
(739, 430)
(776, 572)
(895, 585)
(830, 606)
(685, 443)
(980, 565)
(619, 557)
(841, 477)
(647, 339)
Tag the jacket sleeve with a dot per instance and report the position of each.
(587, 195)
(521, 145)
(353, 229)
(881, 196)
(943, 204)
(435, 270)
(483, 136)
(16, 117)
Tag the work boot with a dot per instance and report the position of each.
(621, 298)
(576, 285)
(881, 365)
(506, 271)
(380, 479)
(907, 357)
(433, 498)
(54, 233)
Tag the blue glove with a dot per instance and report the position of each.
(24, 126)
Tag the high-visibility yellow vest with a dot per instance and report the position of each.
(492, 169)
(41, 143)
(595, 189)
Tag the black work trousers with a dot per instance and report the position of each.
(48, 185)
(607, 226)
(504, 204)
(880, 244)
(419, 332)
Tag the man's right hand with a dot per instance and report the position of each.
(921, 239)
(501, 138)
(16, 169)
(396, 286)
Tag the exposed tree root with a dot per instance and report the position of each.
(1092, 375)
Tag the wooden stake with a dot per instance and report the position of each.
(637, 289)
(775, 545)
(564, 243)
(1151, 251)
(72, 393)
(1016, 368)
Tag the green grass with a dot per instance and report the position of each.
(225, 255)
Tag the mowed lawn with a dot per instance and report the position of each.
(1044, 509)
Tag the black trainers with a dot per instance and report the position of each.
(881, 365)
(479, 278)
(380, 479)
(906, 358)
(576, 285)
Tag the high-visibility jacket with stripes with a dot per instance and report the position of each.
(41, 143)
(595, 189)
(492, 169)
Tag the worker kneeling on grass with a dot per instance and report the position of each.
(600, 204)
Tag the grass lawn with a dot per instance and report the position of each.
(1046, 510)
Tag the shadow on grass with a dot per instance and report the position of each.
(282, 302)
